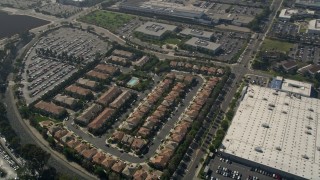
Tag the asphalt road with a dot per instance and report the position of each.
(29, 135)
(240, 70)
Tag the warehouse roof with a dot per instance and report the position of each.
(155, 29)
(282, 131)
(196, 42)
(197, 33)
(297, 87)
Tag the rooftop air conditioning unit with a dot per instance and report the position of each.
(278, 148)
(308, 132)
(258, 149)
(265, 125)
(309, 127)
(271, 105)
(305, 156)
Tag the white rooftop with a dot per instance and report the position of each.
(284, 128)
(155, 29)
(197, 33)
(314, 25)
(297, 87)
(200, 43)
(287, 13)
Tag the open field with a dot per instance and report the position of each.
(269, 44)
(109, 20)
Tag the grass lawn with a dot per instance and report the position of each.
(40, 118)
(106, 19)
(303, 29)
(172, 41)
(269, 44)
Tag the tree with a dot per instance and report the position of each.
(35, 156)
(48, 174)
(224, 125)
(98, 170)
(165, 175)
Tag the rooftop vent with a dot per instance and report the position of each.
(265, 125)
(258, 149)
(309, 127)
(305, 156)
(201, 43)
(272, 105)
(310, 118)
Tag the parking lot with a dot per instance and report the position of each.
(231, 44)
(20, 4)
(222, 168)
(45, 70)
(250, 3)
(284, 29)
(257, 80)
(305, 53)
(58, 10)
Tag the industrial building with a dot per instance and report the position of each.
(314, 26)
(203, 45)
(314, 4)
(165, 9)
(197, 33)
(292, 86)
(71, 2)
(276, 131)
(286, 14)
(153, 30)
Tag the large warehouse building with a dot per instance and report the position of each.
(314, 26)
(154, 30)
(276, 131)
(165, 9)
(203, 45)
(315, 4)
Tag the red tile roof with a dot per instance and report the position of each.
(99, 75)
(106, 69)
(99, 157)
(101, 119)
(89, 153)
(78, 90)
(109, 96)
(108, 162)
(50, 108)
(118, 166)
